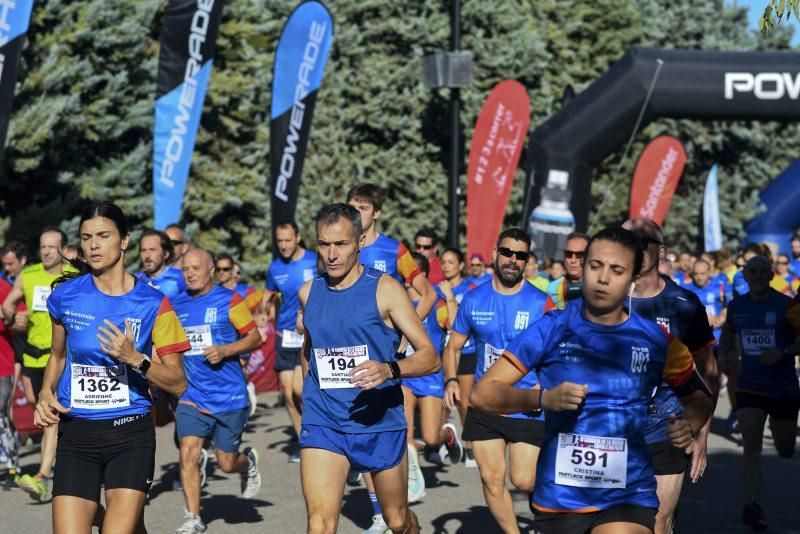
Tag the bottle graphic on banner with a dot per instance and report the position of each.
(552, 221)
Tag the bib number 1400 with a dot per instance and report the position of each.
(341, 364)
(102, 385)
(589, 458)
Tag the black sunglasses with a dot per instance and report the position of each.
(176, 242)
(521, 255)
(580, 254)
(224, 269)
(423, 247)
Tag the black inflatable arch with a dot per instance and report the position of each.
(691, 84)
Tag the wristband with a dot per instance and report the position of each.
(541, 398)
(451, 379)
(394, 367)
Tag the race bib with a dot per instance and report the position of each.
(40, 294)
(334, 365)
(199, 338)
(755, 339)
(95, 387)
(591, 461)
(291, 339)
(490, 355)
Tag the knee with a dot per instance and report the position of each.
(319, 524)
(227, 463)
(494, 482)
(190, 456)
(523, 483)
(395, 519)
(431, 439)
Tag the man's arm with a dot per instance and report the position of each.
(305, 349)
(249, 342)
(400, 311)
(12, 299)
(427, 296)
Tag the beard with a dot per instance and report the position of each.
(508, 274)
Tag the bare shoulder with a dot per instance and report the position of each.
(389, 289)
(305, 289)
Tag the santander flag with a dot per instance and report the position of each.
(656, 177)
(493, 158)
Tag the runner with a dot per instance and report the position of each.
(452, 268)
(792, 282)
(684, 270)
(532, 274)
(597, 366)
(477, 269)
(682, 314)
(155, 251)
(352, 401)
(713, 294)
(14, 257)
(214, 407)
(494, 314)
(8, 441)
(32, 286)
(568, 287)
(180, 244)
(763, 333)
(750, 250)
(106, 323)
(285, 276)
(427, 244)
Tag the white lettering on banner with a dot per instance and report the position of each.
(506, 146)
(764, 85)
(657, 189)
(310, 57)
(197, 37)
(5, 28)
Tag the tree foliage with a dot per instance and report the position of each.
(83, 119)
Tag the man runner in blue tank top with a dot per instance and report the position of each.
(353, 316)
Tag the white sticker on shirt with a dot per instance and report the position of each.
(199, 338)
(334, 365)
(490, 355)
(755, 339)
(95, 387)
(291, 339)
(591, 461)
(40, 294)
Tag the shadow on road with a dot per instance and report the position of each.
(475, 519)
(232, 509)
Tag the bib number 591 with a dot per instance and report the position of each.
(588, 458)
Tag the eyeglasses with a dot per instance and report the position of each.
(423, 247)
(569, 254)
(521, 255)
(224, 269)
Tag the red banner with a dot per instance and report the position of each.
(493, 158)
(656, 177)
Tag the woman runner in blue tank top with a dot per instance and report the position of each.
(597, 366)
(106, 324)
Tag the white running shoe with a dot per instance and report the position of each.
(416, 482)
(251, 480)
(470, 460)
(202, 465)
(192, 524)
(252, 399)
(378, 526)
(455, 450)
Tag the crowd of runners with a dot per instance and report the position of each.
(586, 381)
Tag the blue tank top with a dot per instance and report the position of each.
(93, 384)
(346, 329)
(170, 282)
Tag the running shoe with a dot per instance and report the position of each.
(455, 447)
(753, 517)
(192, 524)
(435, 457)
(378, 526)
(251, 480)
(470, 460)
(202, 465)
(354, 478)
(294, 458)
(252, 400)
(416, 482)
(731, 423)
(39, 487)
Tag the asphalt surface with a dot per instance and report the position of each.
(454, 501)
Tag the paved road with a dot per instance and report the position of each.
(454, 503)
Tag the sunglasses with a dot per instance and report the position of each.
(225, 269)
(176, 242)
(521, 255)
(423, 247)
(476, 264)
(569, 254)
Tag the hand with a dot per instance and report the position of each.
(452, 395)
(48, 410)
(565, 396)
(20, 321)
(215, 354)
(447, 290)
(118, 344)
(370, 374)
(680, 433)
(771, 356)
(699, 457)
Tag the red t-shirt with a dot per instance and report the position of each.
(6, 337)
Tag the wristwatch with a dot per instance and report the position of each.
(143, 366)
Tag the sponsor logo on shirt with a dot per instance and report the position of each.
(521, 320)
(380, 265)
(640, 356)
(663, 321)
(135, 326)
(211, 316)
(770, 318)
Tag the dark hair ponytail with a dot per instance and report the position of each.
(105, 209)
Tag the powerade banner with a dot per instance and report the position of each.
(14, 18)
(712, 227)
(493, 159)
(780, 217)
(656, 177)
(188, 41)
(300, 60)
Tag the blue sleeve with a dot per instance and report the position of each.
(269, 283)
(463, 323)
(54, 304)
(728, 292)
(529, 347)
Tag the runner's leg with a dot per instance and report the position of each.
(522, 465)
(323, 475)
(73, 515)
(391, 486)
(286, 380)
(491, 458)
(668, 489)
(751, 424)
(621, 528)
(784, 434)
(190, 472)
(124, 509)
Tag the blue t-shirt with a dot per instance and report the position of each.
(772, 323)
(217, 318)
(494, 320)
(482, 279)
(794, 266)
(740, 285)
(93, 384)
(596, 457)
(345, 329)
(287, 278)
(682, 314)
(459, 291)
(391, 257)
(713, 296)
(170, 281)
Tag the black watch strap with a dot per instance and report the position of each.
(143, 367)
(395, 368)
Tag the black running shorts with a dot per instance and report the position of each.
(667, 459)
(467, 364)
(483, 426)
(559, 523)
(115, 453)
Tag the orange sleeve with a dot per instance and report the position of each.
(441, 314)
(168, 335)
(679, 367)
(253, 298)
(405, 264)
(240, 315)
